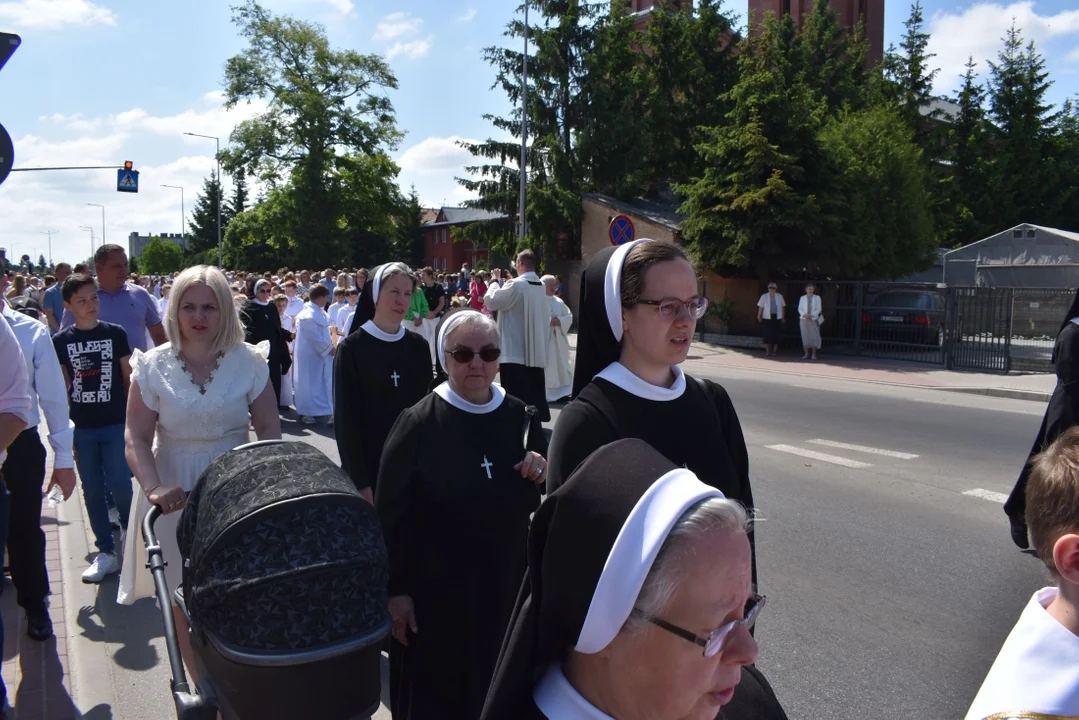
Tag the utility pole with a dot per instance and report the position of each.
(50, 233)
(522, 227)
(220, 192)
(91, 229)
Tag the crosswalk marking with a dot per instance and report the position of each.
(823, 457)
(987, 495)
(864, 449)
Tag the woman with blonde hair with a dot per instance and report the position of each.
(190, 400)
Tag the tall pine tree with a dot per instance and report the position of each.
(964, 189)
(202, 226)
(832, 60)
(911, 77)
(1021, 133)
(238, 202)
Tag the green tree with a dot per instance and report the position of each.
(238, 202)
(911, 77)
(1021, 135)
(755, 206)
(879, 215)
(560, 43)
(967, 205)
(160, 257)
(408, 243)
(42, 263)
(1064, 168)
(328, 125)
(831, 60)
(202, 226)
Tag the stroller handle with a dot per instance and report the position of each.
(189, 705)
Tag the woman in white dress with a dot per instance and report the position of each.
(191, 399)
(809, 322)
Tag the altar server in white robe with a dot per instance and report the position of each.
(524, 322)
(314, 359)
(558, 372)
(1036, 674)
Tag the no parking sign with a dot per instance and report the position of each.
(621, 230)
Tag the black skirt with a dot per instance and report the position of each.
(771, 330)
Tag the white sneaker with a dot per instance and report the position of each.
(307, 420)
(330, 421)
(114, 518)
(104, 564)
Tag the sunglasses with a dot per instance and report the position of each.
(465, 355)
(264, 291)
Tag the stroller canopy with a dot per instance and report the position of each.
(282, 555)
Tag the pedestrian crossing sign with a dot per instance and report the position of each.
(127, 180)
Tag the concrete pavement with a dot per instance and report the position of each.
(890, 586)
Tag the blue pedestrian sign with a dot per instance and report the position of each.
(621, 230)
(127, 180)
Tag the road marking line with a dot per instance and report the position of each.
(823, 457)
(864, 449)
(987, 495)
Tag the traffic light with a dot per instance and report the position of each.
(9, 43)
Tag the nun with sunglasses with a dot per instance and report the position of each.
(379, 371)
(638, 601)
(459, 478)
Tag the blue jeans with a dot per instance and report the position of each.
(99, 455)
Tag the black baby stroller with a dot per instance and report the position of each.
(284, 589)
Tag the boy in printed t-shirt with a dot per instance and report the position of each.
(94, 356)
(1036, 673)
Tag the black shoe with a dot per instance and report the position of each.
(38, 623)
(1019, 533)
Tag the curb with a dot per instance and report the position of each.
(1032, 395)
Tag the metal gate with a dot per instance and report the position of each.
(980, 328)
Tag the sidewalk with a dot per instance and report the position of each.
(1018, 386)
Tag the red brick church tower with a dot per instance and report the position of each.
(850, 12)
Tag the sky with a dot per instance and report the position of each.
(98, 82)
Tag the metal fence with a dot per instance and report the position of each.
(973, 328)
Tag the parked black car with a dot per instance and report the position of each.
(906, 316)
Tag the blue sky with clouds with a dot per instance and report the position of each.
(97, 82)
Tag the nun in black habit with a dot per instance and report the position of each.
(261, 322)
(639, 308)
(637, 603)
(457, 486)
(379, 370)
(1061, 414)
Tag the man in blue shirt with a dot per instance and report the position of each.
(53, 300)
(328, 280)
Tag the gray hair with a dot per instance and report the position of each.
(665, 576)
(549, 280)
(477, 320)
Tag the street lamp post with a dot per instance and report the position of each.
(102, 220)
(87, 227)
(50, 233)
(220, 262)
(183, 216)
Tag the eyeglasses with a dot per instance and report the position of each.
(716, 641)
(671, 307)
(465, 355)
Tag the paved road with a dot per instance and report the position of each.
(889, 590)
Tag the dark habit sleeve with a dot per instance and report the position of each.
(348, 409)
(581, 430)
(394, 491)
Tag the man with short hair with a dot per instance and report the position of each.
(328, 280)
(24, 469)
(524, 321)
(123, 303)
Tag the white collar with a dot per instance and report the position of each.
(263, 303)
(374, 331)
(451, 396)
(530, 275)
(1035, 670)
(558, 700)
(618, 374)
(1075, 320)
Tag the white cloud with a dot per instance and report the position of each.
(468, 16)
(37, 201)
(53, 14)
(977, 32)
(1073, 56)
(396, 25)
(433, 166)
(414, 49)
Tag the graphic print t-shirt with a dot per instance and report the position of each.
(92, 359)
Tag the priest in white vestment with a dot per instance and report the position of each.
(313, 359)
(524, 322)
(558, 372)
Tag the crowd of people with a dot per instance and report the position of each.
(608, 573)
